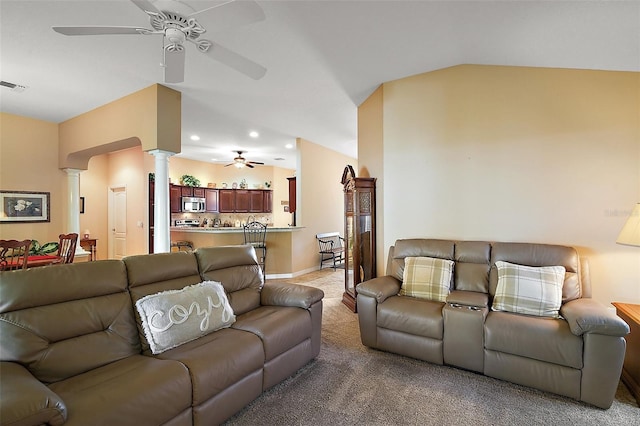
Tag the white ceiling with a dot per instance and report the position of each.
(323, 59)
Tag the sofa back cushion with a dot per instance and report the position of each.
(237, 268)
(418, 247)
(64, 320)
(155, 273)
(530, 254)
(472, 267)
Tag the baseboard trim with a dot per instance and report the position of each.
(292, 275)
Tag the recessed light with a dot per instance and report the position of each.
(195, 138)
(288, 146)
(254, 134)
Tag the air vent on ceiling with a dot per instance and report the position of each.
(14, 87)
(278, 158)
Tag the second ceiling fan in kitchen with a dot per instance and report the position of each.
(241, 162)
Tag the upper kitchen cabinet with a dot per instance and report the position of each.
(245, 201)
(175, 193)
(211, 200)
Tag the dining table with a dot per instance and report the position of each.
(36, 260)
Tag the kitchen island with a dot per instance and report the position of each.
(279, 243)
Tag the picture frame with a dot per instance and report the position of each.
(24, 206)
(81, 205)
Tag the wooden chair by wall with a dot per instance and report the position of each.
(67, 248)
(255, 234)
(13, 254)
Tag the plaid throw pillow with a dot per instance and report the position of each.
(529, 290)
(426, 278)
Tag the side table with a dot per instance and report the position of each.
(90, 245)
(630, 313)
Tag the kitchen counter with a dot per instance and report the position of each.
(230, 229)
(279, 241)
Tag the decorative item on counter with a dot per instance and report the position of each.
(188, 180)
(243, 184)
(237, 223)
(216, 223)
(234, 185)
(224, 185)
(267, 184)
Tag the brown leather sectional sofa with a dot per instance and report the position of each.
(73, 351)
(579, 355)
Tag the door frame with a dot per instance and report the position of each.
(110, 214)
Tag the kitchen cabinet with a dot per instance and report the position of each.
(292, 199)
(211, 200)
(245, 201)
(199, 192)
(175, 193)
(268, 201)
(256, 199)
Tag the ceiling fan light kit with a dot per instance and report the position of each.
(240, 162)
(179, 26)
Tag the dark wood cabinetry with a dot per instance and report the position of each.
(292, 199)
(211, 200)
(175, 193)
(359, 233)
(227, 201)
(245, 201)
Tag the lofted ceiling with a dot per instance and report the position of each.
(323, 58)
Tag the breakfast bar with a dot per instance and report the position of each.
(278, 240)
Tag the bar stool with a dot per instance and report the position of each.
(255, 234)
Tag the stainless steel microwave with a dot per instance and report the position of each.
(193, 204)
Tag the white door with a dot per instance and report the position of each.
(117, 222)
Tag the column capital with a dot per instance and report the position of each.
(72, 172)
(161, 153)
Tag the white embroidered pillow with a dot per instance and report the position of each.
(171, 318)
(426, 278)
(529, 290)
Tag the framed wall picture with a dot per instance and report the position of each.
(81, 205)
(24, 206)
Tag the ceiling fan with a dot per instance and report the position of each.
(176, 21)
(241, 162)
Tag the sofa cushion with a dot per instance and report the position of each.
(412, 316)
(427, 278)
(219, 360)
(540, 338)
(151, 391)
(529, 290)
(171, 318)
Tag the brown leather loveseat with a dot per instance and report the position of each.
(577, 352)
(74, 349)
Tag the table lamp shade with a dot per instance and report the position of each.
(630, 234)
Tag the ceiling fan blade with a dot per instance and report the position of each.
(174, 65)
(95, 30)
(230, 14)
(256, 162)
(146, 6)
(236, 61)
(248, 165)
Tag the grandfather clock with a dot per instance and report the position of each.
(359, 233)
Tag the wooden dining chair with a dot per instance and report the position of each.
(67, 248)
(13, 254)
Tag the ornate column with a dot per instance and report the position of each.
(161, 213)
(73, 215)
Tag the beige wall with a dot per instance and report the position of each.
(29, 162)
(320, 200)
(150, 117)
(516, 154)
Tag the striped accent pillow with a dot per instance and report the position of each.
(529, 290)
(426, 278)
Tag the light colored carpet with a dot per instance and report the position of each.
(349, 384)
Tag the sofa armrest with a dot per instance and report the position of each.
(380, 288)
(589, 316)
(26, 401)
(296, 295)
